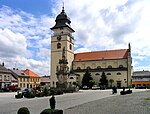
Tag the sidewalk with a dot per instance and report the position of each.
(134, 103)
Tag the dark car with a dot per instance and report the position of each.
(140, 87)
(27, 90)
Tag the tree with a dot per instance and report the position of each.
(111, 81)
(91, 83)
(103, 80)
(86, 79)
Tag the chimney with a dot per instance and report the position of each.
(3, 64)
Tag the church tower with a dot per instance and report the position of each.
(61, 39)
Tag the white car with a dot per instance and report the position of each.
(94, 87)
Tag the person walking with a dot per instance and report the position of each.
(52, 102)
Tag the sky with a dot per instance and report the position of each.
(25, 33)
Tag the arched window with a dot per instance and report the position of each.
(71, 77)
(97, 74)
(98, 67)
(78, 68)
(58, 45)
(118, 73)
(88, 67)
(108, 73)
(120, 66)
(70, 47)
(109, 66)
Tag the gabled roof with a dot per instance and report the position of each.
(101, 55)
(4, 70)
(19, 73)
(31, 73)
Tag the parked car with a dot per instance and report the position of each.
(85, 87)
(13, 88)
(140, 87)
(27, 90)
(94, 87)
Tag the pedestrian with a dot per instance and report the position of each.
(123, 89)
(52, 102)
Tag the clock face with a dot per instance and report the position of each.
(58, 38)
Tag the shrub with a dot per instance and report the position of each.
(29, 95)
(122, 93)
(128, 91)
(51, 111)
(45, 91)
(23, 110)
(19, 96)
(39, 94)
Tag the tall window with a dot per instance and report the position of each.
(70, 47)
(58, 45)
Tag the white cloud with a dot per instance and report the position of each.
(25, 40)
(101, 25)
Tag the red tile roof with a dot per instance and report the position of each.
(31, 73)
(101, 55)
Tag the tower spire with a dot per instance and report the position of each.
(63, 10)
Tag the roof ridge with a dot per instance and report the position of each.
(101, 51)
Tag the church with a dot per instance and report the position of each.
(67, 66)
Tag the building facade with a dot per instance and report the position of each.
(22, 78)
(115, 63)
(141, 78)
(34, 79)
(6, 77)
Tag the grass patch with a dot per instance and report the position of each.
(147, 99)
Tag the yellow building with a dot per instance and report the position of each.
(26, 78)
(115, 63)
(34, 79)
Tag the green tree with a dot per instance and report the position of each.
(111, 81)
(103, 81)
(86, 78)
(91, 83)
